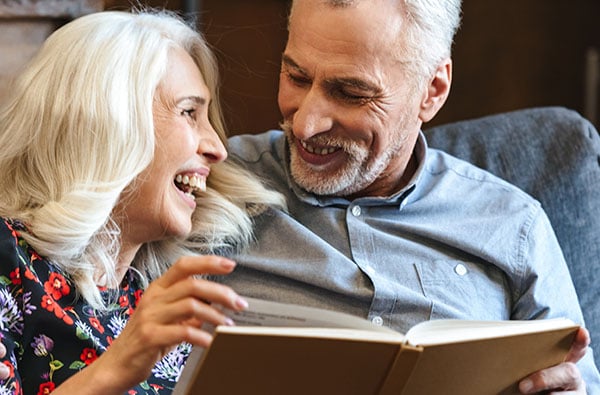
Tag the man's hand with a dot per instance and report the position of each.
(562, 378)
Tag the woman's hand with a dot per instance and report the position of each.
(172, 310)
(4, 370)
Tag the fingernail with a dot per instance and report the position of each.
(229, 322)
(241, 303)
(227, 263)
(526, 385)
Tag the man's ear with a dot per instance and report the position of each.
(437, 91)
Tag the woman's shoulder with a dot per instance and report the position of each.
(14, 250)
(9, 237)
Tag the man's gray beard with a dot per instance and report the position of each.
(354, 177)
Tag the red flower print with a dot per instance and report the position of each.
(50, 304)
(67, 320)
(12, 230)
(96, 324)
(15, 276)
(88, 355)
(138, 295)
(46, 388)
(123, 301)
(35, 256)
(56, 286)
(29, 274)
(132, 392)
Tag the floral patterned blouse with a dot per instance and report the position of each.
(50, 334)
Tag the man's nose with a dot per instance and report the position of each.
(313, 116)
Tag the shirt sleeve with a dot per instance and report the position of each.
(547, 290)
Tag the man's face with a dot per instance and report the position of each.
(351, 110)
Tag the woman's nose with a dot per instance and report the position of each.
(211, 147)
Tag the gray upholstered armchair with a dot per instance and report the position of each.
(553, 154)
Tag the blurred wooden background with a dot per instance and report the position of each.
(508, 55)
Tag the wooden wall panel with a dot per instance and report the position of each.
(514, 54)
(508, 54)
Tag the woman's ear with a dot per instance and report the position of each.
(437, 91)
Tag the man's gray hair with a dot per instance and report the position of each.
(430, 31)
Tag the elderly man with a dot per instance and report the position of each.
(378, 224)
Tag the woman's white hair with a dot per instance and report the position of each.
(77, 130)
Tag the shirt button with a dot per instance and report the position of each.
(377, 320)
(356, 211)
(460, 269)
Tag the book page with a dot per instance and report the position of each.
(450, 331)
(274, 314)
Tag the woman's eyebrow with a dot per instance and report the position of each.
(195, 99)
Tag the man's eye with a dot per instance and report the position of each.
(351, 97)
(298, 79)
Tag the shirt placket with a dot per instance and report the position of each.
(365, 256)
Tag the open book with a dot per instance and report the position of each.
(288, 349)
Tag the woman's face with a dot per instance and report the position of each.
(161, 200)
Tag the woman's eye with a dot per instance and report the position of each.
(188, 113)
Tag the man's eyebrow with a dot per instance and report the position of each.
(351, 82)
(289, 62)
(356, 83)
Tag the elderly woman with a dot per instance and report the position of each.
(113, 173)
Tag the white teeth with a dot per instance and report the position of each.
(313, 150)
(195, 182)
(201, 184)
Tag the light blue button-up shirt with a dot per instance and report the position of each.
(456, 242)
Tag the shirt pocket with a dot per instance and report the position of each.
(465, 290)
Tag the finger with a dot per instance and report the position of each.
(565, 376)
(138, 338)
(195, 265)
(4, 371)
(170, 335)
(579, 346)
(192, 312)
(204, 290)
